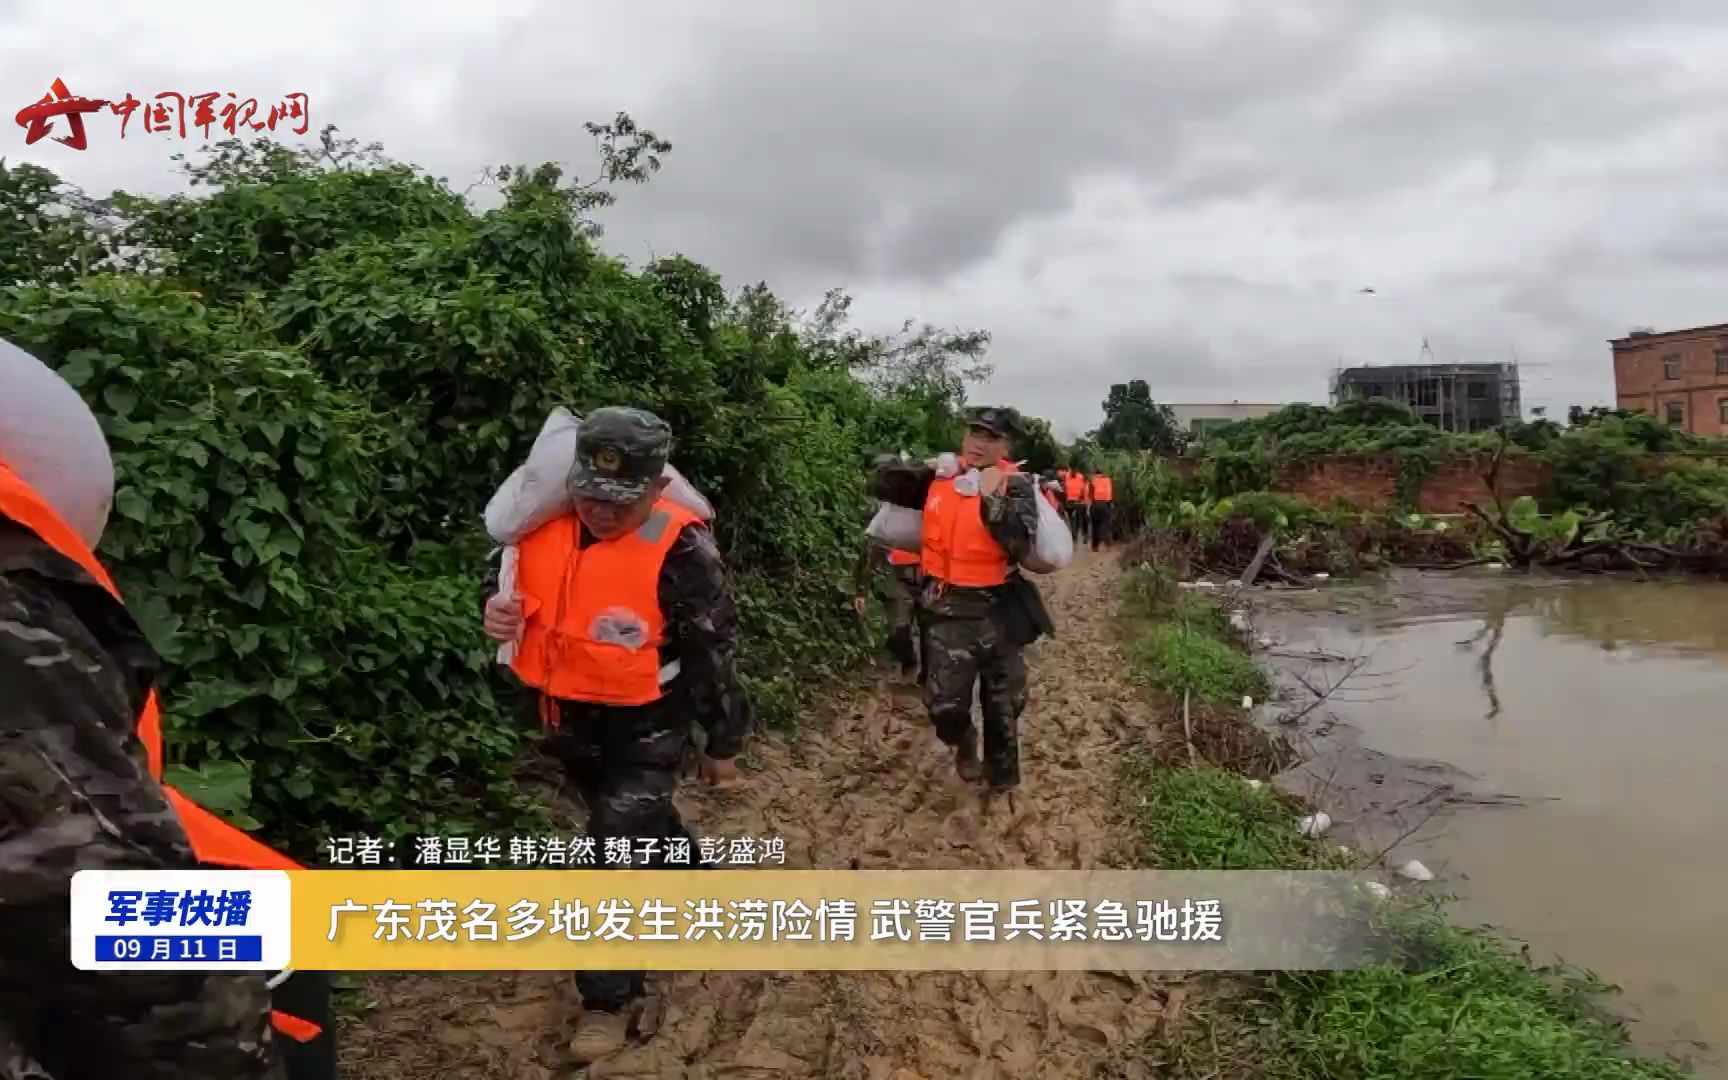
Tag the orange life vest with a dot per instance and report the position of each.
(1102, 490)
(592, 626)
(214, 841)
(896, 557)
(958, 548)
(1074, 486)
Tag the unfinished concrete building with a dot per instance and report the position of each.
(1452, 397)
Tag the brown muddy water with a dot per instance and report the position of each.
(1557, 750)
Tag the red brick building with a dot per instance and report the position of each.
(1680, 377)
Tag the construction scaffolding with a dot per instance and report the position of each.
(1458, 398)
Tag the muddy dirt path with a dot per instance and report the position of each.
(865, 785)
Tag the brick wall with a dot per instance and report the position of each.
(1451, 484)
(1368, 483)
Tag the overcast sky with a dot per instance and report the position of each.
(1191, 192)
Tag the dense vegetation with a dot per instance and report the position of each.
(1651, 476)
(314, 371)
(1627, 492)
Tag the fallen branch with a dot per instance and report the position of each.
(1517, 543)
(1447, 566)
(1188, 731)
(1259, 559)
(1321, 657)
(1439, 804)
(1493, 476)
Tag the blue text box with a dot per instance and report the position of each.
(180, 948)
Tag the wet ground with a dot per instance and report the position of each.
(867, 786)
(1555, 750)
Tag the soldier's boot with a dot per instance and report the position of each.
(966, 761)
(599, 1035)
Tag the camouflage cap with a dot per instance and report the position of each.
(996, 419)
(619, 454)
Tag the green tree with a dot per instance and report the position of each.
(1133, 421)
(1038, 447)
(314, 371)
(50, 233)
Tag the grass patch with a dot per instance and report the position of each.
(1459, 1003)
(1182, 643)
(1206, 818)
(1178, 658)
(1448, 1003)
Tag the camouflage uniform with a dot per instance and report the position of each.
(1078, 514)
(76, 793)
(625, 761)
(898, 588)
(964, 639)
(1102, 524)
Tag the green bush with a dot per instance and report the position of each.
(298, 659)
(315, 371)
(1657, 481)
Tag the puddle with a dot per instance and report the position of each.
(1553, 749)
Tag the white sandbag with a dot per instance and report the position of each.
(538, 491)
(49, 437)
(897, 527)
(902, 528)
(1315, 825)
(684, 493)
(1415, 871)
(1053, 544)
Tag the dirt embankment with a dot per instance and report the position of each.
(866, 786)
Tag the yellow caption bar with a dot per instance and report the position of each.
(816, 920)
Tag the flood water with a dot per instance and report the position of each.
(1604, 705)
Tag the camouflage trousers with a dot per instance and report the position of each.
(900, 598)
(625, 762)
(963, 652)
(1076, 513)
(146, 1025)
(1103, 524)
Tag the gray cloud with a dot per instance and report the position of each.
(1192, 193)
(903, 139)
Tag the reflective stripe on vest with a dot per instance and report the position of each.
(958, 548)
(592, 626)
(896, 557)
(1074, 486)
(1102, 489)
(214, 841)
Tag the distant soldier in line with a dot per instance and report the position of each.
(627, 630)
(1101, 497)
(1074, 486)
(977, 527)
(899, 580)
